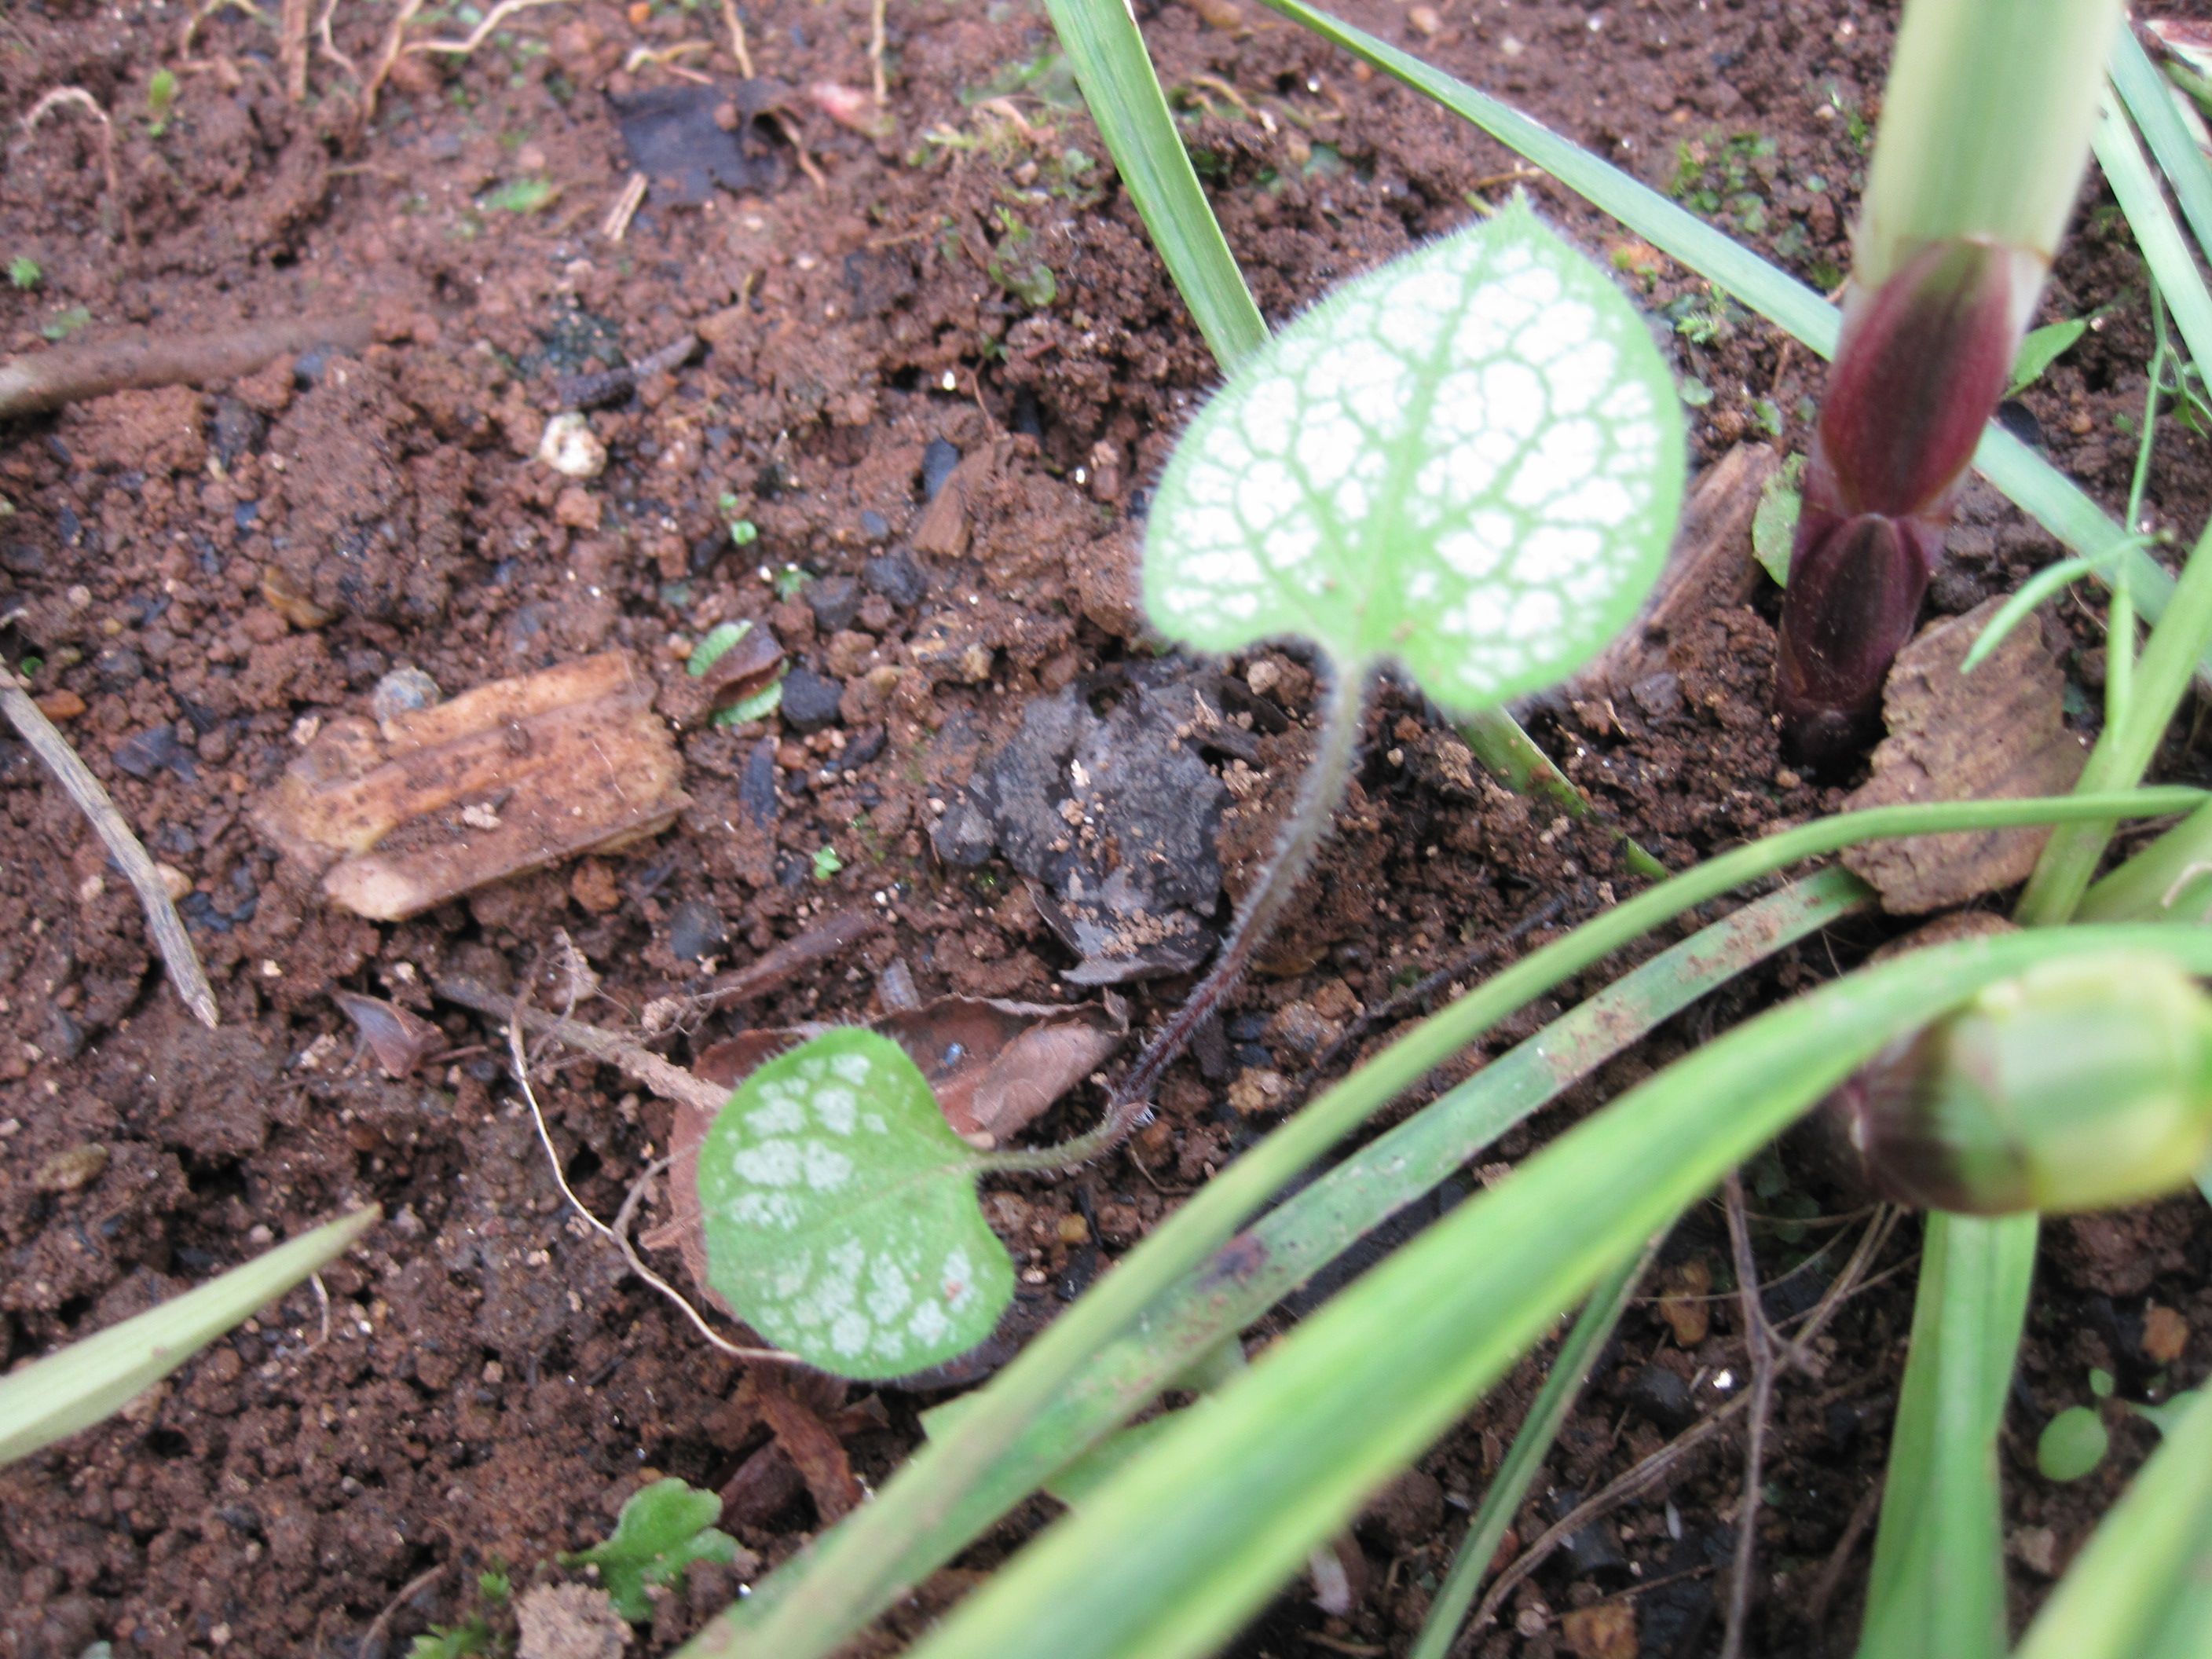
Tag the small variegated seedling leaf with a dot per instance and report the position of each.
(1468, 461)
(841, 1215)
(662, 1529)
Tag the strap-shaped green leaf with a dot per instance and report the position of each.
(1468, 461)
(841, 1215)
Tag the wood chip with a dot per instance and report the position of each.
(1998, 733)
(509, 777)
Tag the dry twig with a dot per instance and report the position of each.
(1759, 1341)
(619, 1233)
(78, 98)
(330, 46)
(1849, 1282)
(162, 918)
(477, 36)
(209, 9)
(394, 38)
(737, 46)
(875, 9)
(292, 50)
(69, 374)
(616, 225)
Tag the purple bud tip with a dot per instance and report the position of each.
(1922, 363)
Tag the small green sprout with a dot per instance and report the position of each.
(840, 1213)
(520, 195)
(23, 271)
(745, 532)
(2042, 347)
(826, 862)
(2071, 1445)
(789, 579)
(1774, 522)
(457, 1641)
(662, 1529)
(757, 707)
(716, 646)
(63, 324)
(161, 100)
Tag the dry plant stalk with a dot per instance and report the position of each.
(737, 46)
(292, 50)
(78, 98)
(73, 373)
(161, 918)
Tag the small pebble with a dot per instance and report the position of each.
(835, 601)
(403, 692)
(897, 578)
(695, 931)
(571, 448)
(1663, 1397)
(938, 460)
(810, 702)
(67, 1171)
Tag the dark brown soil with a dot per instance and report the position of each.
(207, 574)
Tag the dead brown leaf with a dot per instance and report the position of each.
(1997, 733)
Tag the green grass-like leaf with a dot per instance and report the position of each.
(1167, 1557)
(1125, 99)
(841, 1215)
(662, 1529)
(42, 1402)
(1468, 461)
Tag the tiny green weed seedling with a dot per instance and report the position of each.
(160, 101)
(662, 1529)
(2042, 347)
(23, 271)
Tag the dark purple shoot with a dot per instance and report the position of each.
(1922, 364)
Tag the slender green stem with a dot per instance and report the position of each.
(861, 1563)
(2169, 880)
(1336, 746)
(1511, 756)
(1108, 55)
(1937, 1585)
(1524, 1459)
(2123, 753)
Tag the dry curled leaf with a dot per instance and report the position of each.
(400, 1041)
(1994, 734)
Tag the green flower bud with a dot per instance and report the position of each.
(2082, 1084)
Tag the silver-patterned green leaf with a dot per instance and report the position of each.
(841, 1215)
(1468, 461)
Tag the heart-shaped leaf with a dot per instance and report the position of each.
(1468, 461)
(840, 1213)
